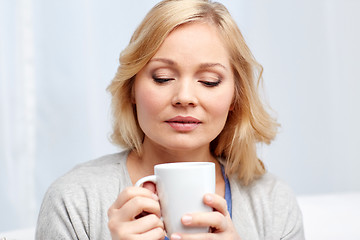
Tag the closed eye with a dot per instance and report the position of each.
(210, 83)
(162, 80)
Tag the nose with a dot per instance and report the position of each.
(185, 94)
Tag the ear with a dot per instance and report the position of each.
(234, 100)
(232, 106)
(133, 101)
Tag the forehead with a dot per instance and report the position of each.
(199, 41)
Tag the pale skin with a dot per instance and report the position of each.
(189, 76)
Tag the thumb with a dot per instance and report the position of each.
(150, 186)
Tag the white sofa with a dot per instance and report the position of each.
(326, 217)
(21, 234)
(331, 216)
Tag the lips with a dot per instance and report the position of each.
(183, 124)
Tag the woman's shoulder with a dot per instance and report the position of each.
(106, 172)
(267, 189)
(105, 164)
(104, 161)
(269, 205)
(267, 185)
(102, 167)
(81, 197)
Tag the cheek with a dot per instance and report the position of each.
(148, 103)
(220, 108)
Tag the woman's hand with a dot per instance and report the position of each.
(136, 215)
(219, 221)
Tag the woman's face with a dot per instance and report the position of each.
(183, 95)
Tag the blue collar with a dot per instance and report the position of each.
(227, 191)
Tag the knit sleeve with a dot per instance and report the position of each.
(75, 205)
(287, 214)
(59, 216)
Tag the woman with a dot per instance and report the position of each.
(185, 90)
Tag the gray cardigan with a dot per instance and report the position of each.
(75, 206)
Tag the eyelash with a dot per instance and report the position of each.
(211, 84)
(205, 83)
(161, 80)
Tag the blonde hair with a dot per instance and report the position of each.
(248, 123)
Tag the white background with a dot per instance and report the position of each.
(57, 58)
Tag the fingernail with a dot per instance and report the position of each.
(175, 236)
(155, 197)
(186, 219)
(208, 198)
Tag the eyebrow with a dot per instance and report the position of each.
(164, 60)
(202, 66)
(211, 65)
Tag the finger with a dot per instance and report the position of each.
(130, 193)
(147, 223)
(156, 233)
(135, 229)
(214, 220)
(136, 206)
(216, 202)
(183, 236)
(150, 186)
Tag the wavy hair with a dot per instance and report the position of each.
(247, 124)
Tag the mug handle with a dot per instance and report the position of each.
(151, 178)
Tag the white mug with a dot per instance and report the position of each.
(181, 188)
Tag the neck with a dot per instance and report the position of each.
(157, 154)
(140, 166)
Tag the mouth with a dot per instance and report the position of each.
(183, 124)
